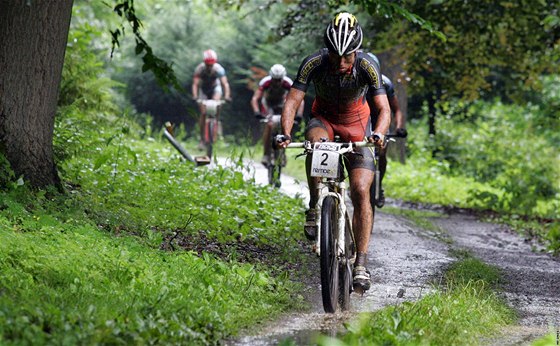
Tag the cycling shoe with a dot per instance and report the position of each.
(362, 279)
(310, 227)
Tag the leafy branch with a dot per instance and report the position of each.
(163, 71)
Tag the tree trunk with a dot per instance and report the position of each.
(33, 36)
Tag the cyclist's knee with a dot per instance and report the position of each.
(359, 191)
(316, 134)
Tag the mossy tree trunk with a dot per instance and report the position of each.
(33, 37)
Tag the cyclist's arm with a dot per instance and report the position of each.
(225, 85)
(396, 109)
(255, 100)
(293, 101)
(194, 89)
(384, 118)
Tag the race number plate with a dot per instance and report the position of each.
(325, 160)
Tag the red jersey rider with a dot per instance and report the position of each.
(209, 83)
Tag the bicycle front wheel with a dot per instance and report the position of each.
(329, 260)
(345, 269)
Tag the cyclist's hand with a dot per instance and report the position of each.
(378, 139)
(401, 132)
(227, 99)
(282, 140)
(259, 116)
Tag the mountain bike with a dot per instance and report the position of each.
(211, 125)
(335, 244)
(277, 157)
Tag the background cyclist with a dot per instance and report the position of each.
(269, 99)
(400, 129)
(209, 83)
(342, 75)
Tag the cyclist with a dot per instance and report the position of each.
(269, 99)
(400, 129)
(209, 83)
(342, 74)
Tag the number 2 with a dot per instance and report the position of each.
(326, 157)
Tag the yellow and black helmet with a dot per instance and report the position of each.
(344, 34)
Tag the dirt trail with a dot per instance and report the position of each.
(405, 260)
(532, 279)
(402, 258)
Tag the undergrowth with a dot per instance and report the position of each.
(93, 266)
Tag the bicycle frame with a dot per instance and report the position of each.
(212, 110)
(335, 187)
(276, 158)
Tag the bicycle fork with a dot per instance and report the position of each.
(323, 191)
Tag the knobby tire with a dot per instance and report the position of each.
(328, 259)
(345, 270)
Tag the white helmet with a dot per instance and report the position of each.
(277, 71)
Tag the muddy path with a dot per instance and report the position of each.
(405, 262)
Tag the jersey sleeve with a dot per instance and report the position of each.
(220, 71)
(287, 83)
(388, 86)
(198, 69)
(264, 83)
(369, 69)
(306, 71)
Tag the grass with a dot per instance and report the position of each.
(96, 266)
(460, 312)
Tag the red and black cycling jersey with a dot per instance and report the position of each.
(340, 96)
(275, 90)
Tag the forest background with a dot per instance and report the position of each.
(479, 82)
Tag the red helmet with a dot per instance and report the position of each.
(210, 57)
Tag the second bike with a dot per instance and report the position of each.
(211, 125)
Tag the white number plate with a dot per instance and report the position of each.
(325, 160)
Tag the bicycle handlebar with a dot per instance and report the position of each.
(308, 144)
(211, 102)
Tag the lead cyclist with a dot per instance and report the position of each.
(342, 74)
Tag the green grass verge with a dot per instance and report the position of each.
(465, 309)
(88, 267)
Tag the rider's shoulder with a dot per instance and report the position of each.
(287, 80)
(387, 82)
(367, 59)
(265, 82)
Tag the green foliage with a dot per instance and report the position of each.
(64, 282)
(523, 163)
(7, 175)
(550, 339)
(493, 48)
(88, 267)
(87, 100)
